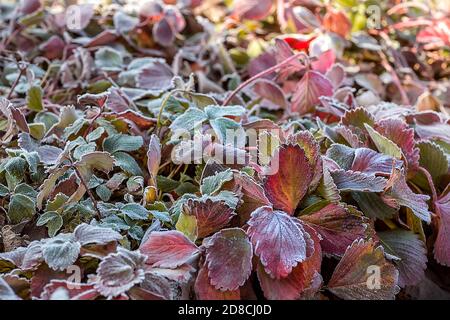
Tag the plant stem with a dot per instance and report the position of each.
(262, 74)
(163, 104)
(89, 192)
(430, 182)
(16, 82)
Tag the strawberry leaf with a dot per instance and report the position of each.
(169, 249)
(290, 183)
(364, 274)
(205, 291)
(442, 244)
(119, 272)
(338, 226)
(211, 216)
(410, 255)
(228, 258)
(279, 240)
(311, 87)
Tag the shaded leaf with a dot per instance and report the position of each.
(356, 275)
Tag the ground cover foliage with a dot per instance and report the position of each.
(97, 201)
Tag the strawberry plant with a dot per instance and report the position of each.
(213, 150)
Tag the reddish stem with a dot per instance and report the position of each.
(430, 182)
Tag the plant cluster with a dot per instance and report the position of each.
(97, 201)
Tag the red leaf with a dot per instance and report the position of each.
(282, 53)
(324, 61)
(312, 151)
(279, 240)
(310, 88)
(289, 184)
(361, 263)
(336, 21)
(260, 63)
(404, 196)
(102, 39)
(228, 258)
(205, 291)
(272, 96)
(338, 227)
(442, 244)
(29, 6)
(168, 249)
(301, 277)
(372, 162)
(288, 288)
(436, 35)
(399, 132)
(42, 276)
(53, 48)
(252, 195)
(251, 9)
(211, 215)
(141, 121)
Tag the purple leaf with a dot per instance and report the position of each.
(158, 76)
(279, 241)
(357, 181)
(228, 258)
(409, 255)
(442, 244)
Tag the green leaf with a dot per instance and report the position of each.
(48, 185)
(52, 220)
(58, 202)
(34, 98)
(432, 158)
(189, 120)
(108, 59)
(213, 183)
(37, 130)
(409, 254)
(15, 171)
(96, 134)
(214, 112)
(84, 149)
(135, 211)
(187, 224)
(161, 215)
(103, 192)
(383, 144)
(21, 207)
(122, 142)
(127, 163)
(166, 184)
(61, 251)
(95, 160)
(373, 206)
(222, 126)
